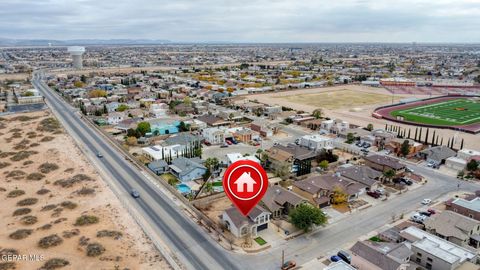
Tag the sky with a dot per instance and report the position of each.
(244, 20)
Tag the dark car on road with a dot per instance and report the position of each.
(99, 155)
(289, 265)
(135, 194)
(345, 256)
(374, 194)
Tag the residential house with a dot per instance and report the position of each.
(395, 146)
(164, 126)
(384, 163)
(468, 208)
(334, 126)
(213, 121)
(433, 252)
(316, 142)
(339, 265)
(186, 169)
(234, 157)
(381, 256)
(319, 189)
(158, 166)
(280, 201)
(264, 129)
(159, 152)
(158, 110)
(114, 118)
(185, 139)
(467, 154)
(230, 115)
(437, 154)
(243, 135)
(240, 225)
(214, 135)
(298, 159)
(364, 175)
(183, 109)
(454, 227)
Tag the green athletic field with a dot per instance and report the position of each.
(452, 112)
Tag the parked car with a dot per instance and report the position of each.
(289, 265)
(99, 155)
(335, 258)
(366, 145)
(345, 256)
(409, 170)
(426, 201)
(135, 194)
(425, 213)
(408, 182)
(228, 142)
(418, 218)
(374, 194)
(432, 211)
(224, 145)
(381, 191)
(207, 143)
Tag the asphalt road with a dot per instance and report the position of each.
(198, 251)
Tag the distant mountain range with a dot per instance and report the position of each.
(84, 42)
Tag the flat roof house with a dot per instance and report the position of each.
(468, 208)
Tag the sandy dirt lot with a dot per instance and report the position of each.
(354, 112)
(56, 206)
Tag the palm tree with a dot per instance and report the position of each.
(209, 188)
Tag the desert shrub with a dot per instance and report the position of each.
(35, 176)
(69, 205)
(69, 170)
(21, 211)
(50, 241)
(47, 139)
(108, 233)
(48, 207)
(59, 220)
(16, 174)
(20, 234)
(4, 165)
(43, 191)
(86, 220)
(6, 154)
(57, 212)
(16, 135)
(22, 118)
(78, 178)
(45, 227)
(48, 167)
(15, 193)
(29, 220)
(15, 130)
(34, 145)
(7, 266)
(54, 264)
(8, 251)
(48, 125)
(28, 162)
(27, 202)
(95, 249)
(2, 189)
(31, 134)
(85, 191)
(22, 155)
(70, 233)
(23, 144)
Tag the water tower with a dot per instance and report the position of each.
(76, 52)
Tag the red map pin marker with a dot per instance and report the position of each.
(245, 182)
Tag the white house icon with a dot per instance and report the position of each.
(245, 179)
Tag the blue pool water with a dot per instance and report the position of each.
(183, 188)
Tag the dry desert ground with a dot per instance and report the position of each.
(56, 206)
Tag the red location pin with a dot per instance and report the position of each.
(245, 182)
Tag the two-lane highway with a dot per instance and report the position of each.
(195, 249)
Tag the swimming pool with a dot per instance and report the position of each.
(183, 188)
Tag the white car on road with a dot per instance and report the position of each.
(426, 201)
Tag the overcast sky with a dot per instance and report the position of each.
(245, 20)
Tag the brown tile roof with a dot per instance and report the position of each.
(277, 196)
(361, 174)
(385, 161)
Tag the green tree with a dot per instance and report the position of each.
(339, 195)
(472, 165)
(405, 148)
(389, 174)
(350, 138)
(306, 216)
(143, 128)
(122, 107)
(317, 113)
(212, 163)
(370, 127)
(323, 164)
(183, 126)
(283, 171)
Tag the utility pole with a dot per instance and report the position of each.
(283, 258)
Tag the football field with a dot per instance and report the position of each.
(452, 112)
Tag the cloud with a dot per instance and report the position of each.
(245, 21)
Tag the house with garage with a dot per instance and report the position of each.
(437, 154)
(297, 159)
(363, 175)
(280, 201)
(384, 163)
(114, 118)
(158, 166)
(214, 135)
(240, 225)
(187, 169)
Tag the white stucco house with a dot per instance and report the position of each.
(240, 225)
